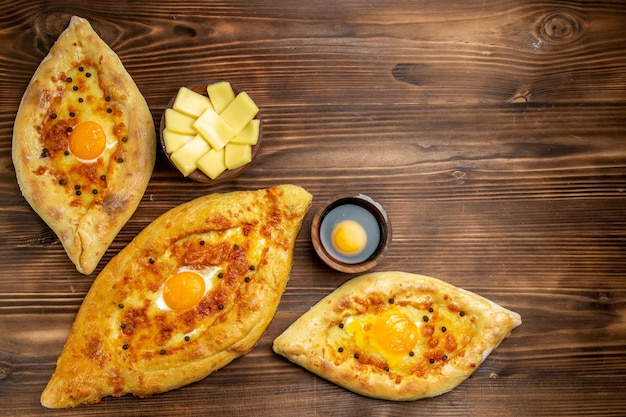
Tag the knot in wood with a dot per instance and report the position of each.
(47, 27)
(559, 28)
(459, 177)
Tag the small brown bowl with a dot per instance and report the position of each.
(198, 175)
(366, 212)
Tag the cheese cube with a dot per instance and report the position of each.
(212, 163)
(190, 103)
(179, 122)
(237, 155)
(249, 135)
(174, 140)
(221, 94)
(186, 156)
(239, 112)
(213, 129)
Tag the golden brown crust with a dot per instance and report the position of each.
(122, 341)
(86, 224)
(456, 330)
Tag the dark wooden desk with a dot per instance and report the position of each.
(494, 134)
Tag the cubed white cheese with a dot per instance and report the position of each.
(186, 156)
(239, 112)
(237, 155)
(212, 163)
(249, 135)
(191, 103)
(178, 122)
(221, 94)
(213, 129)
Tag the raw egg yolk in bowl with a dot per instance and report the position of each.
(349, 237)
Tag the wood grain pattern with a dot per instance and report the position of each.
(493, 133)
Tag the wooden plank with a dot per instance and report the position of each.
(494, 134)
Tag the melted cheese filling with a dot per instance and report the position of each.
(82, 134)
(403, 337)
(150, 324)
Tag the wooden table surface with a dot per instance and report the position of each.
(493, 133)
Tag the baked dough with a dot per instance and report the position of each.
(126, 339)
(85, 202)
(396, 336)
